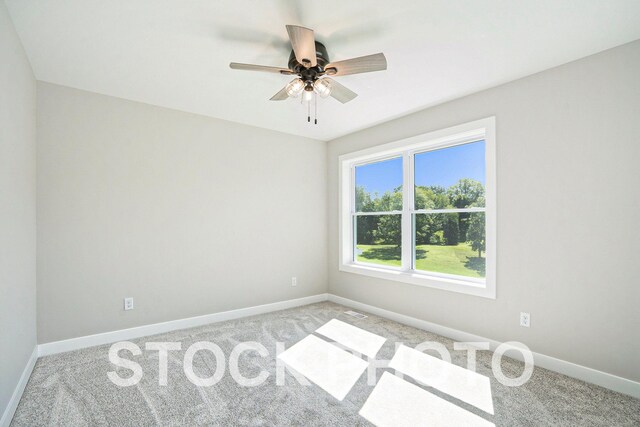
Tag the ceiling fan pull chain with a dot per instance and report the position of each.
(309, 111)
(315, 111)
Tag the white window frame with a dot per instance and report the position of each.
(407, 148)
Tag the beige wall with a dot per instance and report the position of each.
(17, 209)
(186, 214)
(568, 168)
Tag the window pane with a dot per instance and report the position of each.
(378, 239)
(379, 186)
(451, 243)
(452, 177)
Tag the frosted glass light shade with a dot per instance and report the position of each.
(294, 87)
(322, 87)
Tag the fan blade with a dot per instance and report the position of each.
(281, 95)
(303, 43)
(265, 68)
(363, 64)
(340, 92)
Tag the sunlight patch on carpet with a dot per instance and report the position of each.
(395, 402)
(458, 382)
(332, 369)
(364, 342)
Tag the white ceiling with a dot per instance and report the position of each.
(175, 53)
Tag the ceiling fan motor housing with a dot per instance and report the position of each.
(310, 74)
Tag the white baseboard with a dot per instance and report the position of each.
(158, 328)
(7, 416)
(573, 370)
(603, 379)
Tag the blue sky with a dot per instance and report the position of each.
(439, 167)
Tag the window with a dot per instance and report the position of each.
(422, 210)
(377, 218)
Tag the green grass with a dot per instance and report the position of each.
(380, 254)
(459, 259)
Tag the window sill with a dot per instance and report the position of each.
(481, 289)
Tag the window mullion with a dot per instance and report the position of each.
(352, 208)
(352, 189)
(354, 234)
(378, 213)
(407, 205)
(452, 210)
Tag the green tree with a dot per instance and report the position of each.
(389, 201)
(451, 231)
(384, 229)
(365, 225)
(476, 231)
(425, 227)
(430, 197)
(450, 228)
(465, 193)
(364, 203)
(388, 231)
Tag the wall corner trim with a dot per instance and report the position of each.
(593, 376)
(7, 416)
(172, 325)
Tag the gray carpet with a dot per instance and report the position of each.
(72, 389)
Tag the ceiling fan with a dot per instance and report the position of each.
(309, 62)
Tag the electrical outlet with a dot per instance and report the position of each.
(525, 319)
(294, 281)
(128, 303)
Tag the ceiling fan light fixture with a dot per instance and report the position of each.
(308, 94)
(294, 87)
(322, 87)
